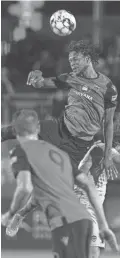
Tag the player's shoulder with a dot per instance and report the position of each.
(107, 82)
(104, 78)
(17, 150)
(18, 160)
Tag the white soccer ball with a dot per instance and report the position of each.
(62, 23)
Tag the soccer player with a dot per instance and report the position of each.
(92, 165)
(92, 101)
(49, 171)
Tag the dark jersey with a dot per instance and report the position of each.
(87, 101)
(52, 180)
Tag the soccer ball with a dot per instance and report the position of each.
(62, 23)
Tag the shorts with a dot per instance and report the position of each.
(55, 132)
(95, 238)
(72, 240)
(83, 198)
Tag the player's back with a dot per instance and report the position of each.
(52, 179)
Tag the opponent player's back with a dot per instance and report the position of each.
(53, 180)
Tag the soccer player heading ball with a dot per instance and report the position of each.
(92, 101)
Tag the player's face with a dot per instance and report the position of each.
(78, 62)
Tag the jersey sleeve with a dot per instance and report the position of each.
(110, 98)
(19, 160)
(61, 81)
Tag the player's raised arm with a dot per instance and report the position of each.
(110, 106)
(36, 79)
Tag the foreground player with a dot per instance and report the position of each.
(92, 162)
(92, 165)
(91, 99)
(50, 171)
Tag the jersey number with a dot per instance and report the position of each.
(57, 158)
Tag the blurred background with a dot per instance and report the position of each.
(28, 43)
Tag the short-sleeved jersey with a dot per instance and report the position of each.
(87, 101)
(52, 180)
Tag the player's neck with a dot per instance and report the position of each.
(89, 73)
(27, 137)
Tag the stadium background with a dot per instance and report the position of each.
(35, 46)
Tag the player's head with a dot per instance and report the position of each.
(26, 123)
(82, 54)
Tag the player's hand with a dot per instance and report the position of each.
(35, 79)
(109, 236)
(109, 167)
(5, 218)
(14, 224)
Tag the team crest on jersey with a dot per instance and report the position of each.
(85, 88)
(114, 98)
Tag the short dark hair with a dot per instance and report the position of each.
(25, 122)
(86, 48)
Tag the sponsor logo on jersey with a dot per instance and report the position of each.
(82, 94)
(84, 88)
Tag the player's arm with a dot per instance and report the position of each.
(110, 106)
(36, 79)
(21, 195)
(24, 185)
(108, 130)
(17, 220)
(23, 191)
(28, 207)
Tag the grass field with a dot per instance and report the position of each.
(44, 254)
